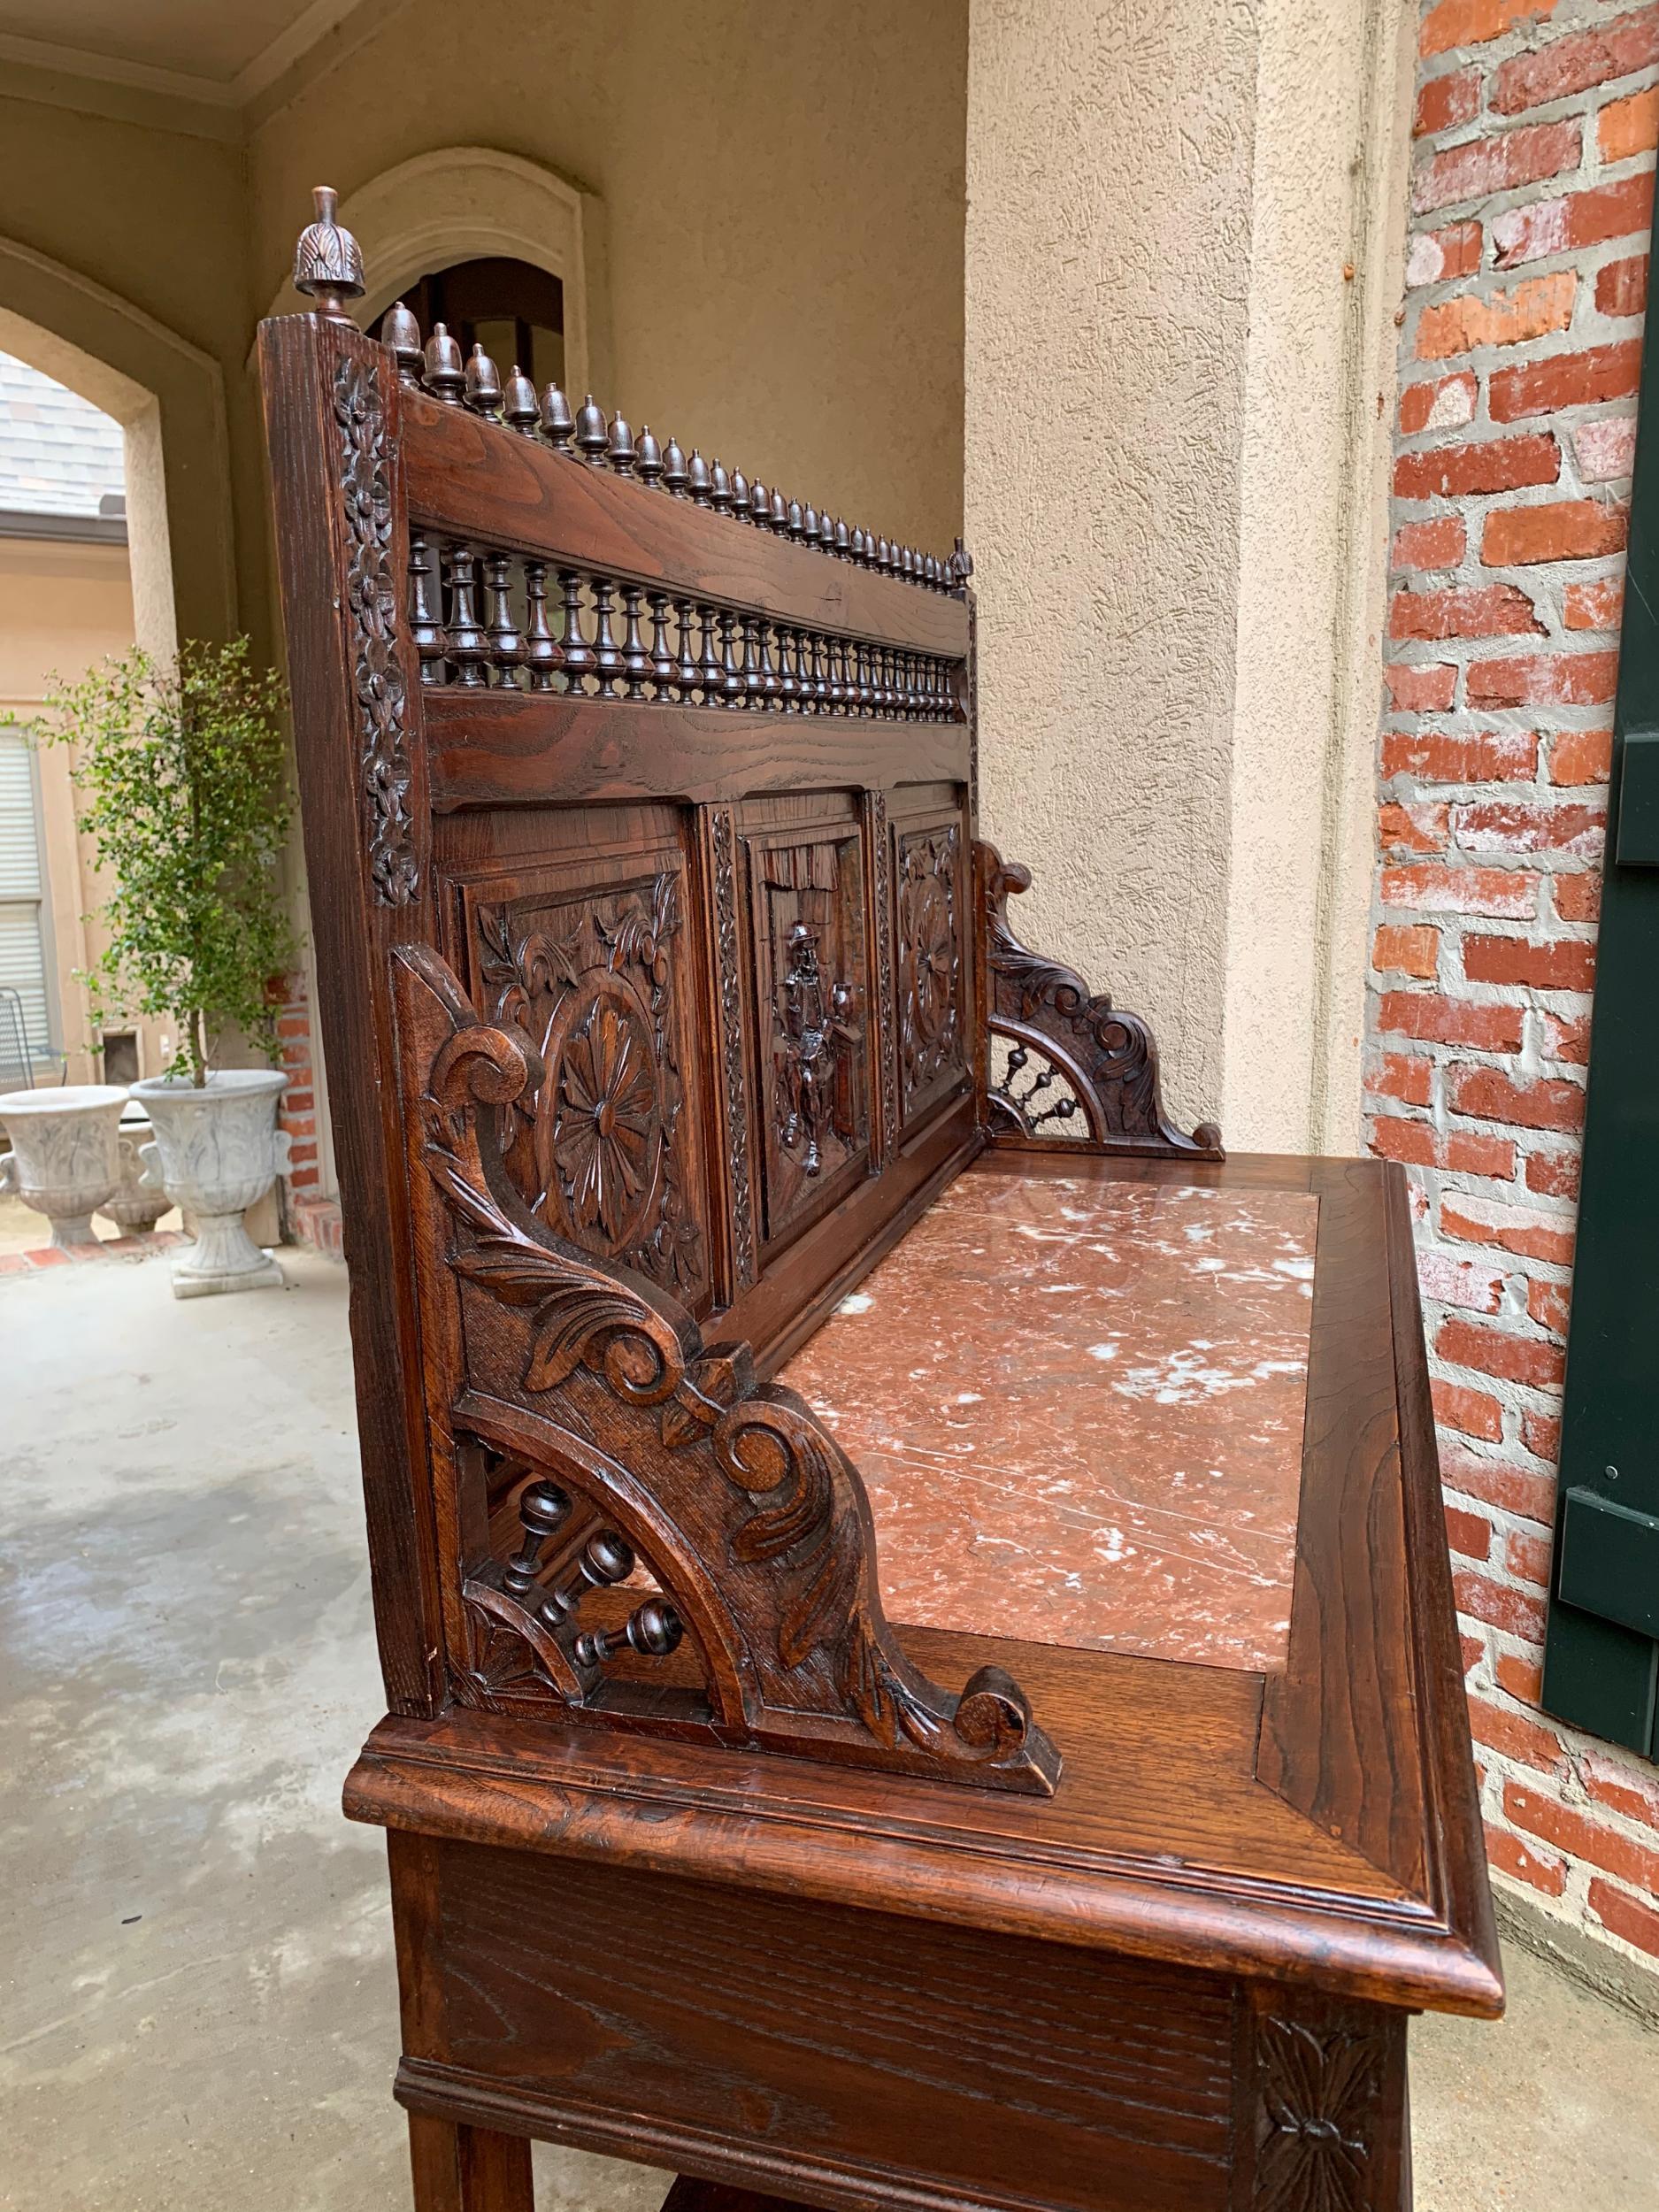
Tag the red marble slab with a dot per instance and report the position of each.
(1078, 1407)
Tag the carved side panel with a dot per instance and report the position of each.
(1327, 2126)
(931, 927)
(880, 839)
(809, 932)
(733, 1088)
(604, 1149)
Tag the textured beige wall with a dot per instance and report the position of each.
(1170, 497)
(782, 186)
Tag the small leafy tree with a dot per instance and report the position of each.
(181, 771)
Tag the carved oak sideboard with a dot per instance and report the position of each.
(918, 1643)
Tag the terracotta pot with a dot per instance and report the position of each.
(64, 1159)
(216, 1151)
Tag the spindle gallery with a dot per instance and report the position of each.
(772, 1281)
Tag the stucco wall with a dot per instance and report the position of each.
(1169, 497)
(782, 191)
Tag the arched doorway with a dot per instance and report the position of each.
(513, 308)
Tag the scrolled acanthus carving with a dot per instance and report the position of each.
(1071, 1071)
(751, 1520)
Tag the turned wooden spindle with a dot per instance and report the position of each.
(770, 682)
(731, 685)
(543, 657)
(709, 670)
(653, 1629)
(697, 479)
(636, 661)
(556, 423)
(754, 687)
(685, 671)
(543, 1510)
(483, 383)
(605, 1559)
(506, 646)
(674, 479)
(607, 652)
(466, 643)
(426, 631)
(519, 409)
(788, 686)
(593, 433)
(327, 266)
(400, 334)
(575, 652)
(832, 688)
(620, 446)
(648, 459)
(444, 374)
(662, 655)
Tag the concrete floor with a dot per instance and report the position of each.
(198, 2009)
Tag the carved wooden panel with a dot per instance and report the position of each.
(930, 926)
(804, 870)
(1329, 2128)
(592, 958)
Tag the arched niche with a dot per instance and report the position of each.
(169, 398)
(462, 202)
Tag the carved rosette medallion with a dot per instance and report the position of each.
(596, 1148)
(372, 604)
(1319, 2092)
(723, 841)
(930, 959)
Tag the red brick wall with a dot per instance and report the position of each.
(1520, 349)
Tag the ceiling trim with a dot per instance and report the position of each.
(291, 46)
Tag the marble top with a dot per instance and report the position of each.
(1077, 1405)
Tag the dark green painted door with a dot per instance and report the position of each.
(1602, 1651)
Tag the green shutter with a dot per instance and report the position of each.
(1601, 1650)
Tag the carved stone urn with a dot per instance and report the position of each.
(64, 1159)
(137, 1206)
(217, 1149)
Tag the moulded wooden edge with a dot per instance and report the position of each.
(421, 1777)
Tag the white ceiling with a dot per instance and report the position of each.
(205, 49)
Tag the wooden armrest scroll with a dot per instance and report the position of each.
(1075, 1074)
(638, 1447)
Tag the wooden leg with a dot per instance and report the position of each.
(462, 2168)
(689, 2195)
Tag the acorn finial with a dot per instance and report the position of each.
(697, 479)
(483, 382)
(592, 435)
(556, 419)
(518, 403)
(444, 379)
(328, 267)
(620, 446)
(648, 456)
(400, 334)
(720, 486)
(674, 468)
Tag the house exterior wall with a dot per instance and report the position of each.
(1183, 253)
(1519, 351)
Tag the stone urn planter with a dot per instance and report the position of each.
(137, 1206)
(66, 1158)
(216, 1150)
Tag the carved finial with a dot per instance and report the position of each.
(518, 403)
(697, 479)
(556, 419)
(400, 334)
(719, 487)
(740, 495)
(808, 518)
(860, 548)
(483, 383)
(620, 446)
(444, 378)
(674, 479)
(328, 267)
(759, 506)
(961, 566)
(648, 458)
(780, 514)
(592, 435)
(842, 542)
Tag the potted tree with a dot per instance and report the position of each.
(181, 773)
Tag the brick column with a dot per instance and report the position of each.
(1520, 350)
(312, 1216)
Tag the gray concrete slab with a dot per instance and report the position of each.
(197, 2009)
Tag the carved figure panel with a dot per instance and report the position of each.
(806, 886)
(604, 1148)
(930, 918)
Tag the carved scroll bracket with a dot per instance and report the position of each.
(1072, 1072)
(746, 1513)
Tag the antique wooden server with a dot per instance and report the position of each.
(677, 1040)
